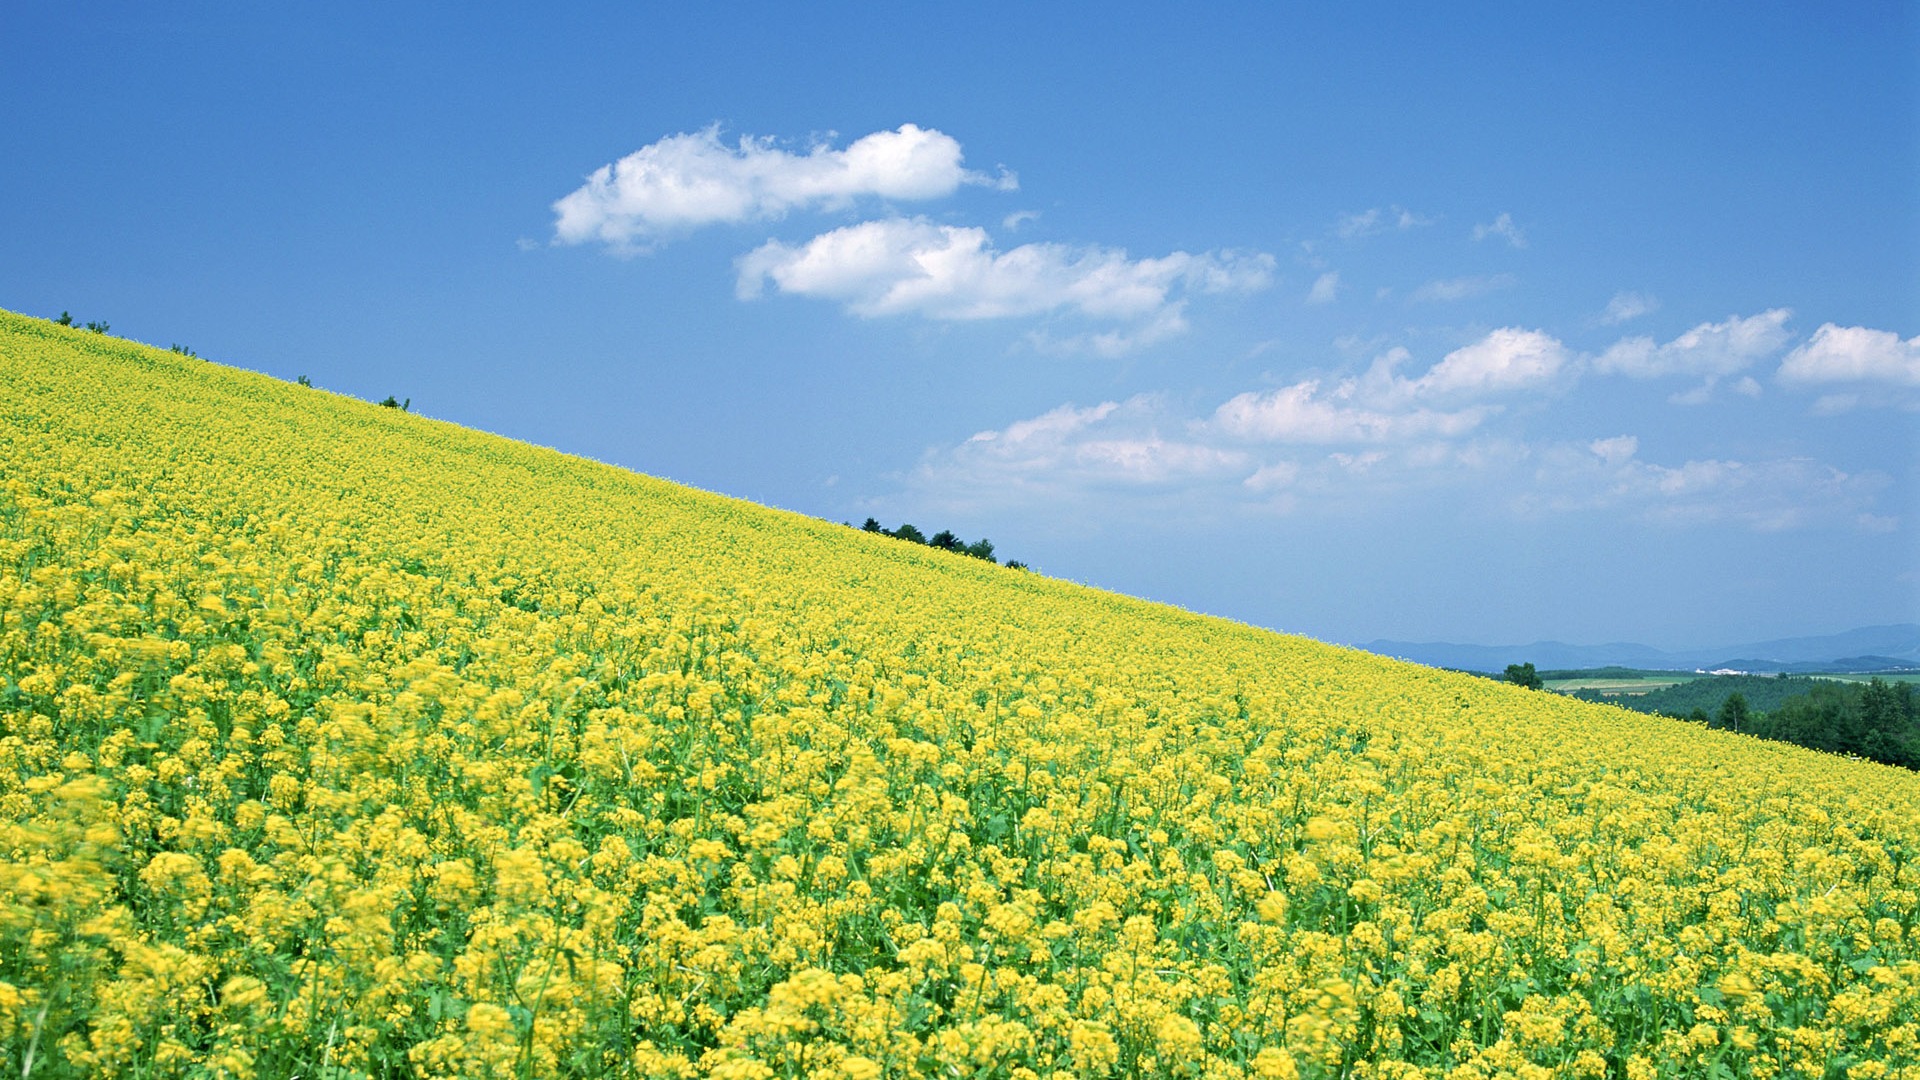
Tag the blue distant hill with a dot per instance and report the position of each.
(1869, 648)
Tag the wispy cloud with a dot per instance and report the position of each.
(915, 266)
(1504, 228)
(1308, 413)
(1627, 306)
(1464, 288)
(1377, 220)
(685, 181)
(1115, 447)
(1767, 495)
(1325, 288)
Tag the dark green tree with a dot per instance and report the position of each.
(981, 549)
(1524, 675)
(870, 525)
(945, 541)
(1734, 714)
(906, 531)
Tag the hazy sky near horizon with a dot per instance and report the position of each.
(1488, 323)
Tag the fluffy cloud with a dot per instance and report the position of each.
(1709, 350)
(688, 180)
(899, 266)
(1506, 361)
(1464, 288)
(1382, 406)
(1854, 354)
(1504, 228)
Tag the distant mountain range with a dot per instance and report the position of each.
(1869, 648)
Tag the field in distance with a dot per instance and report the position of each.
(1632, 682)
(1614, 681)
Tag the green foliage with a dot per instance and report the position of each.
(183, 350)
(1611, 671)
(1764, 693)
(1879, 721)
(944, 540)
(65, 319)
(304, 381)
(97, 327)
(1734, 714)
(1524, 675)
(395, 403)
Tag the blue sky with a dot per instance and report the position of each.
(1491, 323)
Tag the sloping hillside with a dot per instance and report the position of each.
(339, 741)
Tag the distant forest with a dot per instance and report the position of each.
(1877, 720)
(1764, 693)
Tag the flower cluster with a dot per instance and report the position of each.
(336, 741)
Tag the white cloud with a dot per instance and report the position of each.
(1072, 450)
(693, 179)
(1376, 220)
(1272, 477)
(1627, 306)
(1463, 288)
(1615, 450)
(1765, 496)
(1709, 350)
(1301, 413)
(1504, 228)
(1325, 288)
(1013, 221)
(1383, 406)
(1170, 321)
(1337, 449)
(1854, 354)
(1507, 360)
(900, 266)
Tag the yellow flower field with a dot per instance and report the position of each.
(340, 742)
